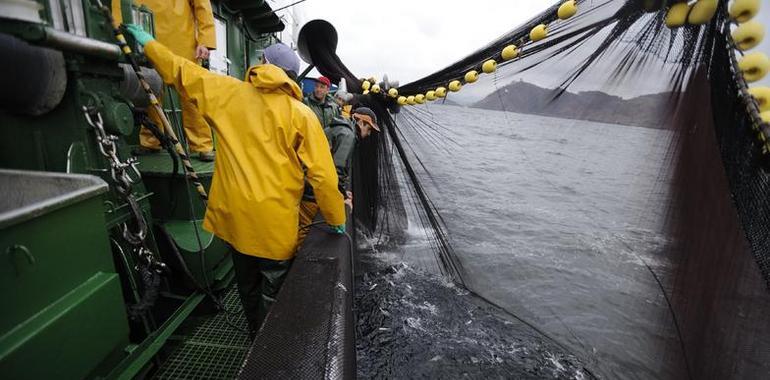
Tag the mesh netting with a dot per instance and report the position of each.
(641, 182)
(308, 333)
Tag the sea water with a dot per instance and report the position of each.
(557, 221)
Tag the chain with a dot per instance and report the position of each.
(125, 175)
(120, 171)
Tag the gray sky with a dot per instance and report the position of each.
(408, 39)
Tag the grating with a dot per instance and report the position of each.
(213, 349)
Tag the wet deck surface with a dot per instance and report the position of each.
(210, 347)
(308, 333)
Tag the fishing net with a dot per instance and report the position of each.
(652, 210)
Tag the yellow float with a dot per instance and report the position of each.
(702, 12)
(393, 93)
(455, 86)
(471, 76)
(509, 52)
(765, 116)
(375, 89)
(410, 100)
(489, 66)
(762, 96)
(567, 10)
(441, 92)
(401, 100)
(677, 15)
(538, 33)
(365, 85)
(419, 98)
(430, 95)
(744, 10)
(754, 66)
(748, 35)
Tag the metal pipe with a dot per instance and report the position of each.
(305, 73)
(73, 43)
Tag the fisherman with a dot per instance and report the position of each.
(343, 135)
(266, 136)
(322, 103)
(344, 100)
(186, 27)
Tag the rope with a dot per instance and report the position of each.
(154, 103)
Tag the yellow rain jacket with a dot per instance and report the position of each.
(182, 25)
(265, 135)
(175, 24)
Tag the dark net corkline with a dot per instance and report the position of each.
(746, 164)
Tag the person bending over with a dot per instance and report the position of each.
(266, 135)
(343, 135)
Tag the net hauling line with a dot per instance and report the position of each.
(155, 104)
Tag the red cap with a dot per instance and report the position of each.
(325, 81)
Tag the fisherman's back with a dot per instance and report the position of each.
(259, 177)
(264, 131)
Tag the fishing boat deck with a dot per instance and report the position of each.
(161, 164)
(309, 331)
(210, 347)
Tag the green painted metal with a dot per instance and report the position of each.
(255, 48)
(186, 235)
(72, 336)
(67, 274)
(58, 276)
(236, 50)
(172, 193)
(118, 118)
(141, 355)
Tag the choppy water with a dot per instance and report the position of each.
(411, 324)
(554, 221)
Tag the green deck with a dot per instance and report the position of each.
(161, 165)
(173, 193)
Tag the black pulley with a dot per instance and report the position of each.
(316, 35)
(317, 45)
(34, 79)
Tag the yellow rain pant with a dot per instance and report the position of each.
(307, 212)
(197, 131)
(175, 27)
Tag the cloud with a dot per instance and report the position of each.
(408, 39)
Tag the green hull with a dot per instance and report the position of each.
(77, 303)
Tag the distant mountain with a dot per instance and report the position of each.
(521, 97)
(448, 102)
